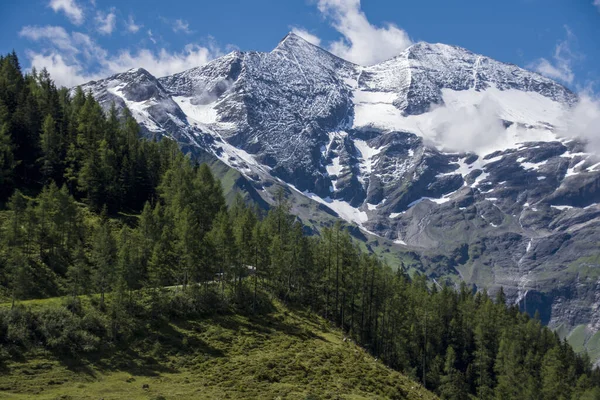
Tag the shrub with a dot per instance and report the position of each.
(61, 330)
(95, 323)
(18, 323)
(57, 328)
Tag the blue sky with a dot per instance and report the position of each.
(79, 40)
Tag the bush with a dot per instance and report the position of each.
(57, 328)
(69, 328)
(180, 305)
(95, 323)
(87, 342)
(18, 324)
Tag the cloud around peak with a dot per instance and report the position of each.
(306, 35)
(75, 58)
(583, 119)
(362, 42)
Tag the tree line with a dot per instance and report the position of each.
(91, 209)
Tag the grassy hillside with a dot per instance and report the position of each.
(287, 354)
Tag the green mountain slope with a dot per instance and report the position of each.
(285, 354)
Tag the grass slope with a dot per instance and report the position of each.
(283, 354)
(583, 338)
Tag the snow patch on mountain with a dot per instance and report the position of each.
(342, 208)
(353, 137)
(203, 113)
(459, 123)
(367, 158)
(138, 108)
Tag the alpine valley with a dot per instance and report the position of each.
(401, 151)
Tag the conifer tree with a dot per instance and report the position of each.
(554, 383)
(78, 274)
(51, 150)
(15, 235)
(7, 160)
(19, 275)
(104, 257)
(222, 239)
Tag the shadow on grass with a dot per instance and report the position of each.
(77, 365)
(133, 362)
(174, 340)
(267, 324)
(140, 356)
(145, 352)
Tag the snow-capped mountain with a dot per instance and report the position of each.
(323, 124)
(459, 157)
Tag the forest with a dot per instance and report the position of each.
(89, 209)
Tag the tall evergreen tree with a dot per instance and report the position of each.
(104, 257)
(51, 148)
(78, 274)
(7, 159)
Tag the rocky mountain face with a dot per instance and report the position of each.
(453, 157)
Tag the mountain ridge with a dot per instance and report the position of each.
(437, 149)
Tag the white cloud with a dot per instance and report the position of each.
(583, 121)
(597, 4)
(163, 62)
(87, 48)
(106, 22)
(475, 127)
(57, 38)
(181, 26)
(132, 26)
(56, 35)
(63, 72)
(73, 11)
(309, 37)
(151, 36)
(561, 66)
(76, 58)
(362, 42)
(560, 70)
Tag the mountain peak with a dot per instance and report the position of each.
(138, 71)
(293, 40)
(291, 36)
(442, 50)
(135, 74)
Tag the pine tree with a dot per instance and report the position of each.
(222, 240)
(554, 384)
(51, 149)
(7, 159)
(67, 221)
(243, 226)
(44, 213)
(484, 350)
(16, 234)
(162, 262)
(90, 180)
(117, 310)
(260, 258)
(104, 257)
(19, 275)
(25, 129)
(128, 260)
(78, 274)
(187, 231)
(508, 367)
